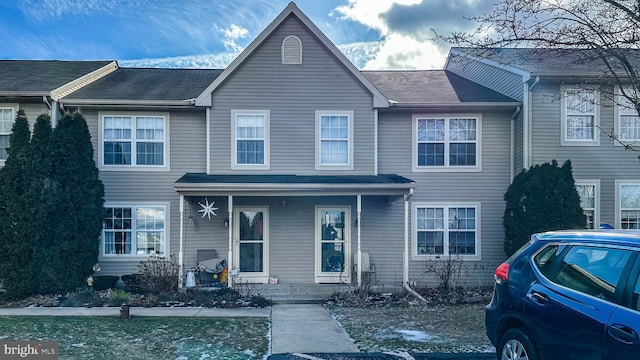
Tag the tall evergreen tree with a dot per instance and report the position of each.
(78, 195)
(16, 246)
(39, 192)
(540, 199)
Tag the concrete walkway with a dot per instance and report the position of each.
(307, 328)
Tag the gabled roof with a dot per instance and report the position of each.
(53, 78)
(547, 62)
(143, 85)
(434, 88)
(204, 99)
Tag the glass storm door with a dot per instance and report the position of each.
(332, 245)
(251, 240)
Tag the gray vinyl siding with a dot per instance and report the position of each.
(187, 154)
(33, 110)
(292, 94)
(500, 80)
(486, 187)
(606, 162)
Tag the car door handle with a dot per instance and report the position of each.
(622, 333)
(540, 298)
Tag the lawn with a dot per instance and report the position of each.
(432, 328)
(144, 338)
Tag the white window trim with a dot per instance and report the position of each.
(563, 118)
(267, 140)
(617, 114)
(446, 168)
(596, 184)
(282, 49)
(618, 202)
(129, 257)
(15, 109)
(350, 114)
(414, 231)
(166, 142)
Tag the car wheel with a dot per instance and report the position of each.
(516, 345)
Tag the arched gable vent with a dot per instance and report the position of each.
(291, 50)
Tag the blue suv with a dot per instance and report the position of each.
(568, 295)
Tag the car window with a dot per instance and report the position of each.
(635, 304)
(547, 258)
(594, 271)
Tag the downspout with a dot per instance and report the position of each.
(512, 145)
(526, 126)
(405, 264)
(375, 142)
(359, 254)
(181, 251)
(208, 136)
(231, 271)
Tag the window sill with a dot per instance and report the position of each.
(443, 258)
(132, 168)
(447, 169)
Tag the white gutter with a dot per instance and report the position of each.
(405, 261)
(181, 251)
(208, 137)
(512, 145)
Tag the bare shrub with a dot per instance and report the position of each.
(159, 274)
(448, 271)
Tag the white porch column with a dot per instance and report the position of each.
(359, 255)
(181, 251)
(405, 265)
(230, 254)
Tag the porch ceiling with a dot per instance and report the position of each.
(303, 185)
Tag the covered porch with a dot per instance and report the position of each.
(288, 230)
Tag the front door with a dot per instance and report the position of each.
(251, 241)
(333, 249)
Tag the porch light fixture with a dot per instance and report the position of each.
(283, 203)
(226, 222)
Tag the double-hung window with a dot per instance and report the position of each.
(628, 205)
(134, 141)
(250, 139)
(443, 230)
(627, 118)
(7, 117)
(446, 143)
(334, 140)
(589, 192)
(138, 230)
(580, 116)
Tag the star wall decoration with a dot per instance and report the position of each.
(208, 209)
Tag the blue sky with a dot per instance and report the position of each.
(374, 34)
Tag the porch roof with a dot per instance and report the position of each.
(266, 185)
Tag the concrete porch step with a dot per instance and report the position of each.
(297, 293)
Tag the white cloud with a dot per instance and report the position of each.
(231, 36)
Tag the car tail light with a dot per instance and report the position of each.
(502, 273)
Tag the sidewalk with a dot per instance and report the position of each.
(136, 311)
(308, 328)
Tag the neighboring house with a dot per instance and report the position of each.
(292, 163)
(570, 106)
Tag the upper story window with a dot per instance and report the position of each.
(135, 230)
(627, 119)
(7, 117)
(292, 50)
(589, 191)
(250, 139)
(334, 140)
(580, 111)
(130, 141)
(446, 229)
(447, 142)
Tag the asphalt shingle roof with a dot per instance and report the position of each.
(431, 87)
(383, 179)
(148, 84)
(42, 76)
(551, 62)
